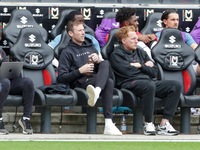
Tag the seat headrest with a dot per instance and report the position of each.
(112, 42)
(21, 18)
(62, 22)
(32, 49)
(171, 51)
(153, 24)
(109, 15)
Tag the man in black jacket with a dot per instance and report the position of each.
(73, 69)
(135, 71)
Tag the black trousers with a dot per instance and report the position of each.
(18, 86)
(102, 80)
(147, 90)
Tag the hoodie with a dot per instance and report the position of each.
(120, 60)
(72, 58)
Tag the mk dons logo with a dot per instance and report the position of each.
(147, 12)
(187, 15)
(22, 7)
(174, 60)
(87, 13)
(172, 39)
(23, 20)
(34, 59)
(54, 13)
(32, 38)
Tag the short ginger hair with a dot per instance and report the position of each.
(123, 32)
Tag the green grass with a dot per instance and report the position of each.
(62, 145)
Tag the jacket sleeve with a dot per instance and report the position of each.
(120, 64)
(64, 73)
(151, 71)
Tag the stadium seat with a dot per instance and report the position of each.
(153, 24)
(174, 58)
(21, 18)
(37, 56)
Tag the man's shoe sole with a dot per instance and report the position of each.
(164, 133)
(91, 95)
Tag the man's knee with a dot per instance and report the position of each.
(28, 82)
(177, 86)
(110, 83)
(105, 63)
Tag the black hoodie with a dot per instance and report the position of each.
(120, 60)
(72, 58)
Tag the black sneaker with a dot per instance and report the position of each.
(149, 129)
(26, 126)
(2, 129)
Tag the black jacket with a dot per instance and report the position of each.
(120, 60)
(72, 58)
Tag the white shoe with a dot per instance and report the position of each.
(167, 129)
(149, 129)
(92, 94)
(112, 130)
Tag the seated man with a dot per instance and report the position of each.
(73, 15)
(74, 69)
(126, 16)
(170, 19)
(17, 86)
(135, 71)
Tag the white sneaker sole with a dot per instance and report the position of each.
(91, 94)
(165, 133)
(115, 134)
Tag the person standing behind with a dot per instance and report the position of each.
(135, 71)
(73, 69)
(17, 86)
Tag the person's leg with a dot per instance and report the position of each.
(24, 87)
(170, 92)
(145, 89)
(4, 90)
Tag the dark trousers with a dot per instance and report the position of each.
(102, 80)
(147, 90)
(18, 86)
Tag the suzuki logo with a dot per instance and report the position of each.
(87, 13)
(23, 20)
(5, 10)
(172, 39)
(5, 42)
(187, 29)
(101, 12)
(159, 23)
(188, 15)
(32, 38)
(37, 10)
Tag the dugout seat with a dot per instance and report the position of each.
(37, 56)
(174, 59)
(153, 24)
(21, 18)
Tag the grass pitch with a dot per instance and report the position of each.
(63, 145)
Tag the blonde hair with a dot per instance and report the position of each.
(123, 32)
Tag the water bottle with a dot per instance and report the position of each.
(67, 109)
(89, 62)
(123, 125)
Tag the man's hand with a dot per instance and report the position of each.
(94, 57)
(149, 63)
(87, 68)
(144, 38)
(152, 37)
(138, 65)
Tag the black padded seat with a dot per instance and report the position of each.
(174, 58)
(21, 18)
(37, 57)
(62, 22)
(14, 100)
(153, 24)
